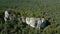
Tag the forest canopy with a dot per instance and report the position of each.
(49, 9)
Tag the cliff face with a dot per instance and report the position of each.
(35, 22)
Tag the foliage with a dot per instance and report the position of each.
(52, 29)
(49, 9)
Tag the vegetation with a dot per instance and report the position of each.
(49, 9)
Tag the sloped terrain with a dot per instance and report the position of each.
(49, 9)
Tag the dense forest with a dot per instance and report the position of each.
(49, 9)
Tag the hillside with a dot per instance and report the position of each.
(50, 9)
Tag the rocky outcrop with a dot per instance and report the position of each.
(35, 22)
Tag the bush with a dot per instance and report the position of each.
(52, 29)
